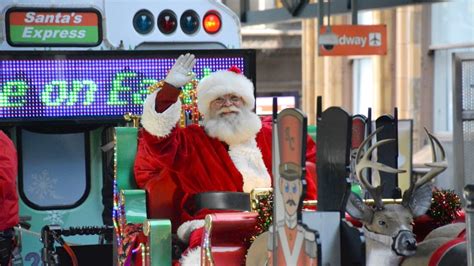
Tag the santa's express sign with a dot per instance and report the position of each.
(53, 27)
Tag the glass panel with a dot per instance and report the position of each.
(442, 105)
(468, 145)
(452, 22)
(53, 168)
(467, 78)
(467, 85)
(405, 139)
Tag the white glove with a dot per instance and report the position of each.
(181, 72)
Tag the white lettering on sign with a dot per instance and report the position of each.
(374, 39)
(27, 31)
(352, 40)
(31, 32)
(77, 18)
(59, 18)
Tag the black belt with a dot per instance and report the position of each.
(237, 201)
(6, 245)
(7, 233)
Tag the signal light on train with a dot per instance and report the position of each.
(167, 21)
(143, 21)
(189, 22)
(212, 22)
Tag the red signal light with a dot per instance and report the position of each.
(212, 22)
(167, 21)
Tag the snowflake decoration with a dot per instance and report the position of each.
(43, 186)
(54, 217)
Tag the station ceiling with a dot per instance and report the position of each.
(311, 10)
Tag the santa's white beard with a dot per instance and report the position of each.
(234, 128)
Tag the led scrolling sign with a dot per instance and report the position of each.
(48, 89)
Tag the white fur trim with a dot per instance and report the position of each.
(186, 228)
(221, 83)
(191, 258)
(159, 124)
(247, 158)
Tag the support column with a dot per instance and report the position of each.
(309, 74)
(408, 67)
(383, 68)
(425, 95)
(469, 209)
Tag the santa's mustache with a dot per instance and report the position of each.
(228, 110)
(291, 202)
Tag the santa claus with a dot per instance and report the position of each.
(230, 151)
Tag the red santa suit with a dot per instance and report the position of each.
(8, 194)
(195, 162)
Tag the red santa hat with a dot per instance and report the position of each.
(223, 82)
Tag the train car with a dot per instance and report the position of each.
(69, 72)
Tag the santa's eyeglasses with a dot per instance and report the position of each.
(233, 99)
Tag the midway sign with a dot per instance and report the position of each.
(356, 40)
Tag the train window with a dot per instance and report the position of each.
(264, 101)
(363, 97)
(363, 74)
(53, 169)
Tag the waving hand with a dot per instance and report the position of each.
(181, 72)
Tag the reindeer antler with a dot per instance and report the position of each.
(438, 165)
(363, 160)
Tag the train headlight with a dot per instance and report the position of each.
(143, 21)
(189, 22)
(167, 21)
(212, 22)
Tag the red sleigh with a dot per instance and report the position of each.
(145, 220)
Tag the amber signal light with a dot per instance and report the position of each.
(212, 22)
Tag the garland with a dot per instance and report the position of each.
(263, 205)
(445, 206)
(265, 211)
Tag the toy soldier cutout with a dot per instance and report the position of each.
(290, 242)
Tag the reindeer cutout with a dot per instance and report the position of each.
(388, 228)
